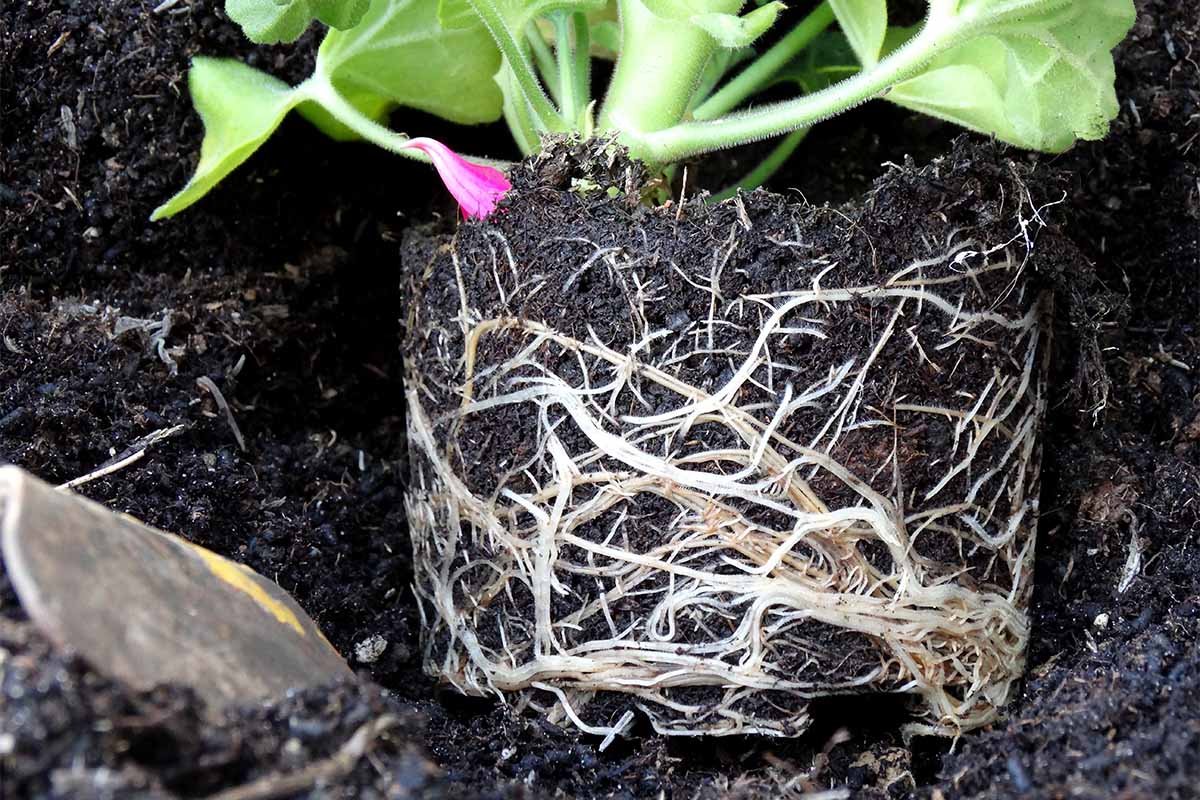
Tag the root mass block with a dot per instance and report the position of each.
(709, 465)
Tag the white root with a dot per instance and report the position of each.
(756, 596)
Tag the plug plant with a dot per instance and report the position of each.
(1034, 73)
(708, 470)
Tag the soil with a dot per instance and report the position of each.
(598, 271)
(293, 265)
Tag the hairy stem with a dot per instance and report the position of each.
(582, 70)
(659, 67)
(545, 60)
(545, 115)
(755, 76)
(692, 138)
(569, 100)
(517, 114)
(320, 90)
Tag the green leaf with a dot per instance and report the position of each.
(240, 107)
(1038, 75)
(340, 14)
(516, 13)
(865, 23)
(398, 54)
(525, 11)
(401, 54)
(456, 14)
(827, 60)
(274, 21)
(730, 30)
(606, 37)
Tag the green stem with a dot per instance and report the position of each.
(545, 115)
(767, 167)
(319, 90)
(544, 58)
(659, 67)
(568, 100)
(691, 138)
(714, 73)
(755, 76)
(583, 61)
(517, 114)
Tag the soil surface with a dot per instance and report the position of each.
(282, 288)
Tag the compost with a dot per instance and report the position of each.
(283, 289)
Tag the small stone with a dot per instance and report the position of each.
(370, 649)
(1101, 621)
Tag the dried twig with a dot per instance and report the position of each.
(132, 455)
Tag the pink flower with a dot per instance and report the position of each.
(476, 188)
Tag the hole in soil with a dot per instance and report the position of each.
(463, 707)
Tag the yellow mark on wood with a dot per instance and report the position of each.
(239, 577)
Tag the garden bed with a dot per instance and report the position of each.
(301, 289)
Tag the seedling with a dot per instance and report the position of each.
(1034, 73)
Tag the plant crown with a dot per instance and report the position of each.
(1034, 73)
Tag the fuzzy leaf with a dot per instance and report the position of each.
(274, 21)
(401, 54)
(1036, 77)
(827, 60)
(865, 23)
(339, 14)
(456, 14)
(730, 30)
(605, 31)
(517, 13)
(606, 37)
(240, 107)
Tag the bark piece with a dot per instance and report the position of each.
(147, 607)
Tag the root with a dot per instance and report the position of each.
(759, 592)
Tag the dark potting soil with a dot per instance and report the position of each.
(294, 264)
(613, 274)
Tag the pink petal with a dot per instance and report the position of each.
(476, 188)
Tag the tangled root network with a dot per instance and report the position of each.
(845, 505)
